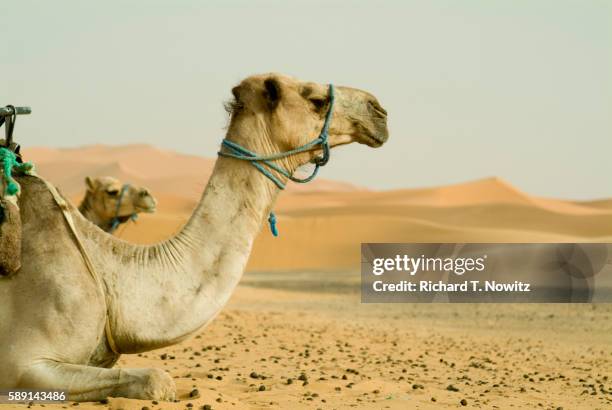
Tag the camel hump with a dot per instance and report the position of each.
(32, 194)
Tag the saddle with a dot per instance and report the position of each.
(10, 233)
(10, 217)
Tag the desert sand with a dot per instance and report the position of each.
(295, 334)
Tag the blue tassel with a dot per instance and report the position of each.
(272, 222)
(114, 225)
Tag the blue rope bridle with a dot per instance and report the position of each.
(117, 220)
(260, 162)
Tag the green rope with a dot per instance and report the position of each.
(9, 161)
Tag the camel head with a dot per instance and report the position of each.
(273, 113)
(105, 201)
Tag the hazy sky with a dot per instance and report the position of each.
(516, 89)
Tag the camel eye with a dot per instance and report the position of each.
(233, 107)
(318, 103)
(113, 192)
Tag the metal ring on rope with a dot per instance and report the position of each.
(10, 126)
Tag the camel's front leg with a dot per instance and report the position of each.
(86, 383)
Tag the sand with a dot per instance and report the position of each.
(383, 356)
(297, 310)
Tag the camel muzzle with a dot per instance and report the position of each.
(374, 133)
(380, 135)
(368, 118)
(380, 132)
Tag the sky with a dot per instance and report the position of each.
(517, 89)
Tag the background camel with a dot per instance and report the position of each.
(158, 295)
(109, 203)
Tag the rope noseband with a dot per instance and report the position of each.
(117, 220)
(260, 162)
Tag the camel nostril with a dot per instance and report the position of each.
(376, 108)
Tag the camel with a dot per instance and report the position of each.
(60, 329)
(108, 203)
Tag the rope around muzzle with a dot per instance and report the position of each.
(117, 220)
(264, 164)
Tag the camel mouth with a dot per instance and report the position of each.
(374, 138)
(147, 209)
(145, 204)
(375, 141)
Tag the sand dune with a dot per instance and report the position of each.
(323, 223)
(604, 204)
(487, 191)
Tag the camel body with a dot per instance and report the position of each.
(52, 311)
(65, 311)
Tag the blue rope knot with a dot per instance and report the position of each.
(9, 161)
(263, 163)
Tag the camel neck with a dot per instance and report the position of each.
(184, 282)
(87, 210)
(233, 206)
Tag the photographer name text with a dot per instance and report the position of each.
(465, 286)
(456, 266)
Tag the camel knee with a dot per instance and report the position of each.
(156, 384)
(160, 386)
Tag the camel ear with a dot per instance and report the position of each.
(272, 92)
(91, 186)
